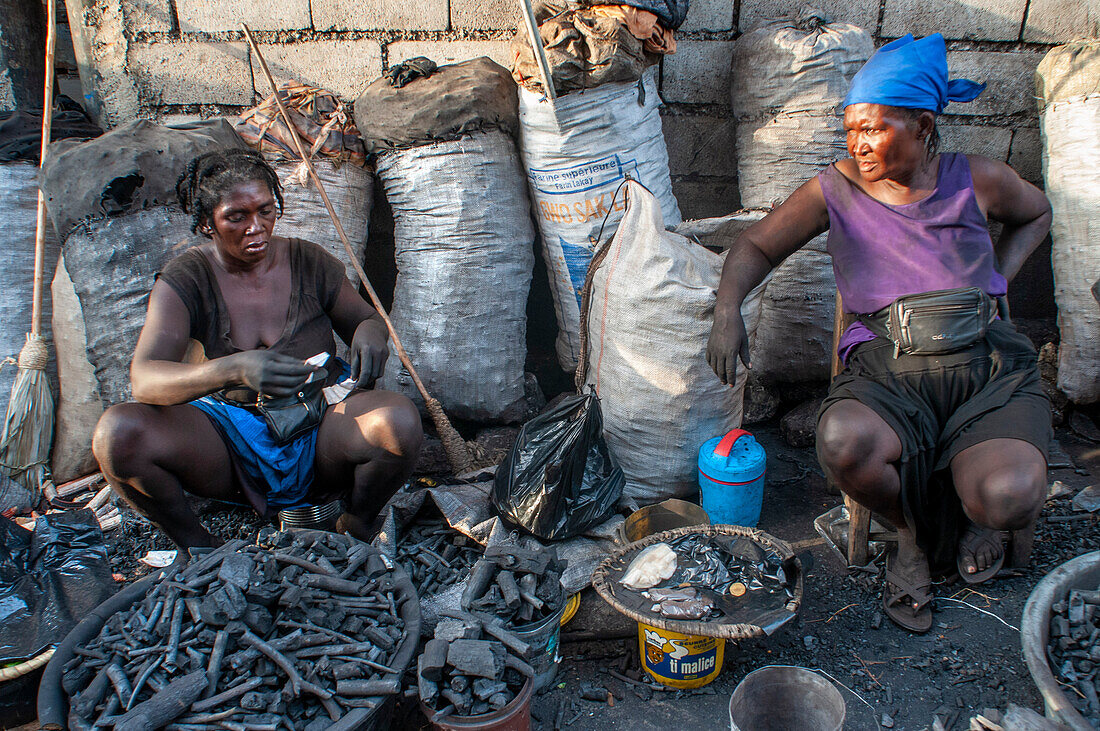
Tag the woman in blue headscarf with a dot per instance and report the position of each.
(947, 443)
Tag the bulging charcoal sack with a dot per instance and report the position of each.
(325, 127)
(463, 237)
(19, 202)
(650, 310)
(1068, 86)
(577, 152)
(113, 203)
(788, 79)
(559, 479)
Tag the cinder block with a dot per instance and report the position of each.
(699, 73)
(700, 145)
(1009, 78)
(715, 15)
(169, 120)
(451, 51)
(755, 13)
(485, 14)
(211, 16)
(975, 140)
(1057, 21)
(342, 67)
(1026, 154)
(990, 20)
(706, 197)
(148, 16)
(183, 72)
(380, 14)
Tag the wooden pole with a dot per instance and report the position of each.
(453, 444)
(859, 517)
(533, 36)
(47, 119)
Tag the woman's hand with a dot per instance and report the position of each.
(271, 374)
(369, 351)
(728, 341)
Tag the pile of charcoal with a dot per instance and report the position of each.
(302, 633)
(436, 556)
(1074, 649)
(515, 584)
(471, 667)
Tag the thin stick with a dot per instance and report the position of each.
(457, 453)
(535, 38)
(47, 120)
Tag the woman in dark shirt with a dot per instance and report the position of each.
(260, 305)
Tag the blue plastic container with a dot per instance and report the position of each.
(731, 479)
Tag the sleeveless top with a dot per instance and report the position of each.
(315, 281)
(881, 252)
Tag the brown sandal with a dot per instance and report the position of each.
(974, 538)
(898, 604)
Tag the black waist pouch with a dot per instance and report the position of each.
(932, 323)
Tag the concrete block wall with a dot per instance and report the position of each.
(183, 59)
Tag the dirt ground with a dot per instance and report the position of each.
(970, 661)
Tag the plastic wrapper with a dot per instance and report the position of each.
(559, 479)
(50, 578)
(650, 567)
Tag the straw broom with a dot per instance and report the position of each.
(28, 424)
(453, 444)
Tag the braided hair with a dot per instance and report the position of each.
(209, 176)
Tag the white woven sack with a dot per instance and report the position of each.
(788, 79)
(465, 251)
(78, 404)
(650, 315)
(1069, 82)
(19, 204)
(577, 151)
(350, 189)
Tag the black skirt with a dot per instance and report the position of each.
(940, 405)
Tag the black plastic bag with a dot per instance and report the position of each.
(559, 479)
(50, 578)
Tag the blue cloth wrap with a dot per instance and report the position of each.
(910, 74)
(286, 469)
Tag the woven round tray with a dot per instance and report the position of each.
(603, 583)
(18, 671)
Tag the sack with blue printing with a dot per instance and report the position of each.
(577, 151)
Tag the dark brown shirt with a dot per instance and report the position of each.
(316, 278)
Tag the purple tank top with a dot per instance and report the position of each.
(882, 252)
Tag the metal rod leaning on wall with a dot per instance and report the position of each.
(453, 444)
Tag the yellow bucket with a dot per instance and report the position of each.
(678, 660)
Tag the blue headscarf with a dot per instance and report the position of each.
(911, 74)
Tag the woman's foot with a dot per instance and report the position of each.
(981, 553)
(906, 598)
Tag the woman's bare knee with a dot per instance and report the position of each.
(119, 440)
(395, 428)
(1007, 498)
(851, 439)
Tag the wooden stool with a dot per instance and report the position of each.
(859, 517)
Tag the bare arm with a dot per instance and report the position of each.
(360, 326)
(761, 248)
(1020, 206)
(159, 376)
